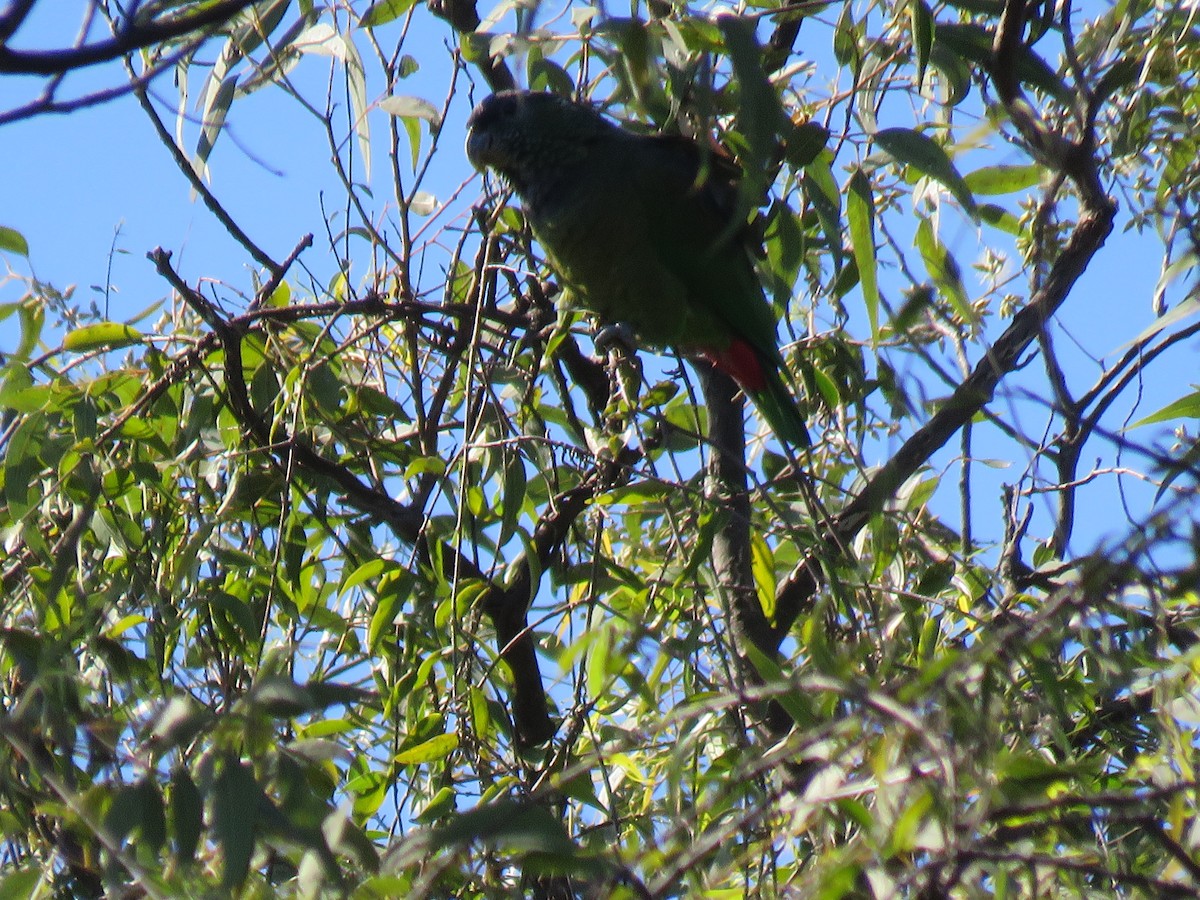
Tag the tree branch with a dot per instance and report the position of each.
(1095, 223)
(130, 38)
(464, 18)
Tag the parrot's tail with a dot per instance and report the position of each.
(761, 381)
(777, 406)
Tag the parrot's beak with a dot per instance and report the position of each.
(478, 146)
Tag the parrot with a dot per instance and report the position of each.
(640, 229)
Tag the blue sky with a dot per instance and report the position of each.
(80, 185)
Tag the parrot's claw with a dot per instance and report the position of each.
(615, 337)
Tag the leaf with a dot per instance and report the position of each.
(321, 39)
(435, 748)
(186, 808)
(515, 825)
(100, 336)
(235, 797)
(356, 80)
(411, 111)
(1003, 179)
(955, 78)
(822, 194)
(22, 883)
(392, 592)
(423, 204)
(22, 466)
(945, 271)
(260, 24)
(974, 43)
(926, 156)
(759, 113)
(860, 213)
(922, 36)
(385, 11)
(33, 316)
(405, 106)
(1188, 307)
(795, 702)
(513, 495)
(13, 241)
(213, 117)
(1120, 74)
(1187, 407)
(999, 217)
(805, 144)
(1186, 264)
(138, 807)
(846, 42)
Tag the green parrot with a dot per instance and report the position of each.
(640, 230)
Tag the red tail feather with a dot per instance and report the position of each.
(740, 362)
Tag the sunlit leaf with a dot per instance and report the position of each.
(1187, 407)
(101, 336)
(13, 241)
(926, 156)
(385, 11)
(860, 215)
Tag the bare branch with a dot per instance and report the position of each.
(134, 36)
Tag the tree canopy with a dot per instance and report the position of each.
(399, 583)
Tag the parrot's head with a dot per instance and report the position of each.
(523, 134)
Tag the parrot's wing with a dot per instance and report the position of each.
(689, 202)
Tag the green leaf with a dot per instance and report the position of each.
(22, 466)
(437, 747)
(13, 241)
(512, 498)
(23, 883)
(1003, 179)
(1187, 407)
(32, 314)
(759, 113)
(1120, 74)
(922, 36)
(846, 42)
(974, 43)
(411, 111)
(235, 798)
(393, 590)
(186, 808)
(385, 11)
(1184, 310)
(441, 804)
(860, 214)
(510, 823)
(999, 217)
(101, 336)
(822, 193)
(944, 270)
(138, 807)
(547, 75)
(795, 702)
(927, 157)
(805, 144)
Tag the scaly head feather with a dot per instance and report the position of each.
(526, 136)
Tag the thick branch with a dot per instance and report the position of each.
(507, 606)
(133, 36)
(463, 18)
(728, 492)
(1076, 160)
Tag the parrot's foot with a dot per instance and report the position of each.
(616, 337)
